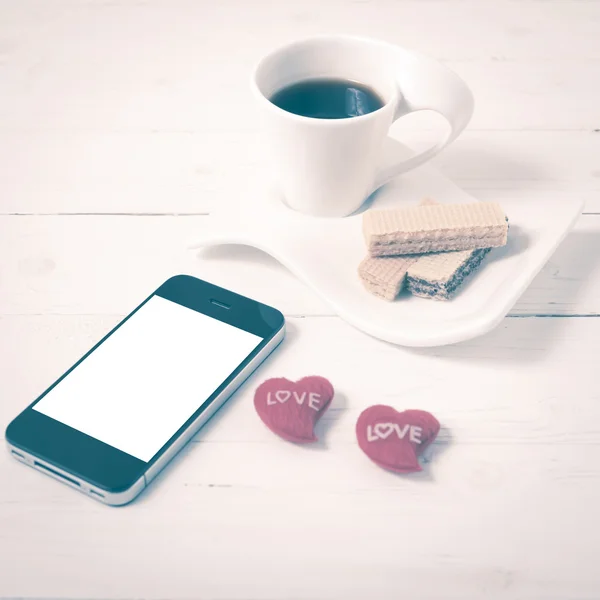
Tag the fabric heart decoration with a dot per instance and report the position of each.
(291, 409)
(395, 440)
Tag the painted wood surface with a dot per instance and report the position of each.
(506, 508)
(74, 264)
(123, 123)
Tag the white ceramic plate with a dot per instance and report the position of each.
(325, 253)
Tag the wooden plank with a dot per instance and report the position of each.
(518, 352)
(520, 94)
(133, 129)
(166, 173)
(510, 29)
(129, 106)
(513, 459)
(424, 538)
(107, 264)
(155, 84)
(491, 160)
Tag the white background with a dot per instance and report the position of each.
(122, 124)
(148, 378)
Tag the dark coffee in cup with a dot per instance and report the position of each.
(327, 99)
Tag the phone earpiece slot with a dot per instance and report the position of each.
(220, 304)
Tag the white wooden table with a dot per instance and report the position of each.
(122, 124)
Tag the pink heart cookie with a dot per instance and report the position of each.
(395, 440)
(291, 409)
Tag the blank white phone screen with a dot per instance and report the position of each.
(148, 378)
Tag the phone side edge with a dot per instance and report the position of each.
(151, 473)
(74, 481)
(126, 496)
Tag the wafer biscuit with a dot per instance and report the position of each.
(436, 275)
(385, 276)
(434, 228)
(440, 274)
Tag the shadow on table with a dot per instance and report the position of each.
(537, 323)
(430, 457)
(239, 252)
(486, 164)
(538, 319)
(250, 383)
(329, 420)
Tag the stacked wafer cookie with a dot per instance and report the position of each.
(428, 249)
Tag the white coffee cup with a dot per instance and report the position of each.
(328, 167)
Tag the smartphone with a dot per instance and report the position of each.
(114, 420)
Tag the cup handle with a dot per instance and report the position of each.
(425, 84)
